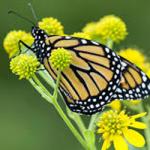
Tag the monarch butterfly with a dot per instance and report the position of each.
(96, 76)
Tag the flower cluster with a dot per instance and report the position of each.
(82, 35)
(60, 59)
(24, 66)
(52, 26)
(108, 28)
(137, 57)
(12, 39)
(115, 127)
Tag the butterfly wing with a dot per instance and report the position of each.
(135, 84)
(93, 76)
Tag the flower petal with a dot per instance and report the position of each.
(120, 143)
(106, 144)
(115, 105)
(134, 138)
(139, 125)
(139, 115)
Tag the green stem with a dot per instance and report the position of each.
(78, 120)
(48, 97)
(37, 81)
(69, 124)
(45, 75)
(57, 85)
(87, 134)
(47, 78)
(80, 124)
(44, 95)
(147, 130)
(92, 123)
(110, 43)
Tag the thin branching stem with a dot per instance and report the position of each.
(51, 99)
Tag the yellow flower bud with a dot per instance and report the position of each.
(60, 59)
(137, 57)
(51, 26)
(82, 35)
(90, 29)
(111, 28)
(24, 66)
(11, 41)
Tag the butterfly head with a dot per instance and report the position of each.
(38, 33)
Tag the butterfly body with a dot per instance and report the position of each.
(96, 76)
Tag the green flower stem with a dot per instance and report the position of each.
(78, 120)
(47, 78)
(92, 124)
(45, 75)
(147, 121)
(48, 97)
(87, 134)
(39, 89)
(80, 123)
(90, 139)
(110, 43)
(69, 124)
(91, 128)
(57, 85)
(37, 81)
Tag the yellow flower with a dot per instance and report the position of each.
(115, 105)
(90, 29)
(146, 68)
(136, 57)
(11, 41)
(111, 28)
(24, 66)
(82, 35)
(60, 59)
(52, 26)
(115, 127)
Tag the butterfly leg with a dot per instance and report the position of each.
(19, 45)
(40, 70)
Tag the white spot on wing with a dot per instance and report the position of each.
(84, 41)
(107, 50)
(94, 42)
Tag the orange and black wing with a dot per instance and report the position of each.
(135, 84)
(93, 76)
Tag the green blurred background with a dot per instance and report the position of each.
(27, 122)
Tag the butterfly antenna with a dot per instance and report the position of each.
(33, 12)
(20, 16)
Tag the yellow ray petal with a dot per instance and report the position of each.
(106, 144)
(116, 105)
(139, 125)
(139, 115)
(119, 143)
(134, 138)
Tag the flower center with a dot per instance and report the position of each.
(113, 122)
